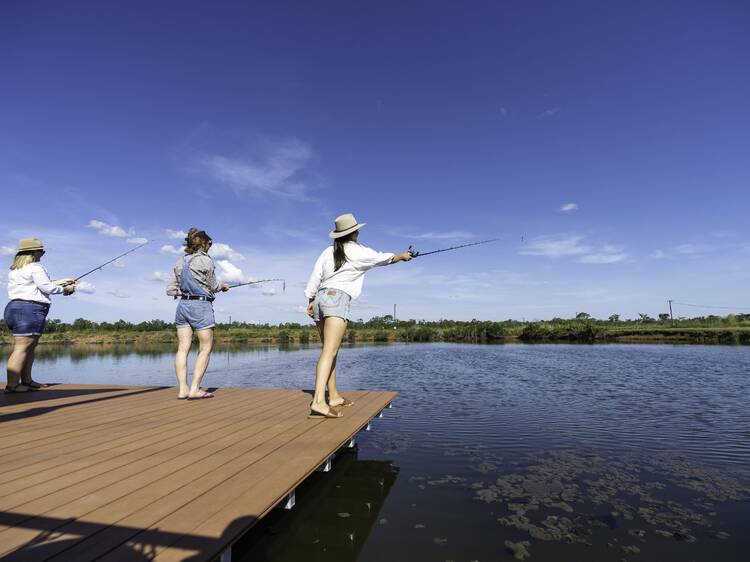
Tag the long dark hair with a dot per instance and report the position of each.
(339, 255)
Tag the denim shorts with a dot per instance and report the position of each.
(199, 315)
(25, 318)
(331, 302)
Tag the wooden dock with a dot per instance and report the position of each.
(131, 473)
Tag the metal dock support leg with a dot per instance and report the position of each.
(326, 466)
(351, 443)
(368, 427)
(291, 499)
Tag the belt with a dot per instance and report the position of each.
(32, 302)
(196, 298)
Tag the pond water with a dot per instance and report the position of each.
(557, 452)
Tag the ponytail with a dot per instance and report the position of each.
(339, 255)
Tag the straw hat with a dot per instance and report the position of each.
(345, 224)
(30, 244)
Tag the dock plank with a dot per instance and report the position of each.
(122, 474)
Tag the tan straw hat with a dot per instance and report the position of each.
(30, 244)
(345, 224)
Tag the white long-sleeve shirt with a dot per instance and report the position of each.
(31, 283)
(350, 277)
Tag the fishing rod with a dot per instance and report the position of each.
(415, 253)
(283, 283)
(106, 263)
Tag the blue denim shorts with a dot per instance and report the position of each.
(331, 302)
(199, 315)
(25, 318)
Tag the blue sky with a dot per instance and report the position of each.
(612, 136)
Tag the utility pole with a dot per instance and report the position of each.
(670, 310)
(394, 313)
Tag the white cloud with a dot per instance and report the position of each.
(7, 251)
(219, 250)
(569, 207)
(269, 291)
(85, 287)
(169, 249)
(176, 234)
(273, 167)
(137, 241)
(548, 113)
(158, 277)
(109, 229)
(118, 293)
(119, 262)
(228, 272)
(658, 255)
(556, 246)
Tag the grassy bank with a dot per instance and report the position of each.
(731, 329)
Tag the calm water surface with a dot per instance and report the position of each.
(561, 452)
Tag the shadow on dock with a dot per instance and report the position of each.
(55, 394)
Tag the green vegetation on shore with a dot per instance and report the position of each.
(732, 329)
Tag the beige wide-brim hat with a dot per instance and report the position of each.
(30, 244)
(345, 224)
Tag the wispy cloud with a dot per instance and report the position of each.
(504, 111)
(176, 234)
(137, 241)
(271, 167)
(268, 291)
(220, 250)
(169, 249)
(118, 294)
(7, 251)
(682, 250)
(109, 229)
(548, 113)
(448, 235)
(607, 254)
(569, 208)
(556, 246)
(573, 245)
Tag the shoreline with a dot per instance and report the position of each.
(304, 335)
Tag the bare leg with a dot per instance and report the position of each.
(184, 341)
(29, 362)
(333, 329)
(334, 398)
(206, 343)
(17, 360)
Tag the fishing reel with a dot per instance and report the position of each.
(412, 252)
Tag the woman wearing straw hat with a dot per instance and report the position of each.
(335, 281)
(29, 289)
(193, 281)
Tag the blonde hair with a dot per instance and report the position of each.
(196, 240)
(23, 259)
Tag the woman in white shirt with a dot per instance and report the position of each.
(335, 281)
(29, 289)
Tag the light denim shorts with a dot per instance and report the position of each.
(331, 302)
(25, 318)
(199, 315)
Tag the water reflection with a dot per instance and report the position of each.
(333, 518)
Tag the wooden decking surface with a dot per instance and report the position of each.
(131, 473)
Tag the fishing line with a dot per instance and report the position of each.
(709, 306)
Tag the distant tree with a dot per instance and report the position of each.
(583, 316)
(614, 318)
(663, 317)
(645, 318)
